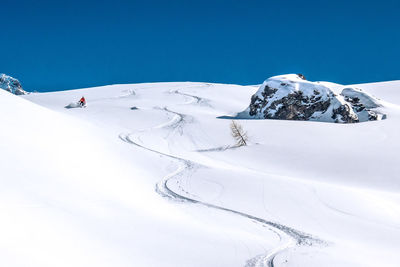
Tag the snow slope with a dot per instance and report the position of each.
(146, 175)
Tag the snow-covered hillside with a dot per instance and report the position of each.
(11, 85)
(147, 175)
(292, 97)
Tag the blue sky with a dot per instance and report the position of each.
(56, 45)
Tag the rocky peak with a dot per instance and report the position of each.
(11, 85)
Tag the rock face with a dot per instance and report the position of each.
(11, 85)
(291, 97)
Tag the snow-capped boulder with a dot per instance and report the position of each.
(11, 85)
(362, 103)
(360, 96)
(291, 97)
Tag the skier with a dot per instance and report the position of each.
(82, 102)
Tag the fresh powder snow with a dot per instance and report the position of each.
(148, 175)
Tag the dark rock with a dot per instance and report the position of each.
(343, 114)
(301, 76)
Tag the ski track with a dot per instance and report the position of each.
(186, 167)
(194, 99)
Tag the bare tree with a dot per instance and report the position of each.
(238, 134)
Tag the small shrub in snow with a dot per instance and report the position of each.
(238, 134)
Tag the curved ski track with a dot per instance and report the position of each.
(185, 167)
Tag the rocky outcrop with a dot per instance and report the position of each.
(11, 85)
(291, 97)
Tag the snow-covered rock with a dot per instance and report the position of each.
(292, 97)
(363, 103)
(11, 85)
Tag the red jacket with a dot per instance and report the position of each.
(83, 100)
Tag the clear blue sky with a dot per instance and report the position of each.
(56, 45)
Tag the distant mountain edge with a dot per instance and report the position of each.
(11, 85)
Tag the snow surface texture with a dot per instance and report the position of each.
(11, 85)
(151, 178)
(292, 97)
